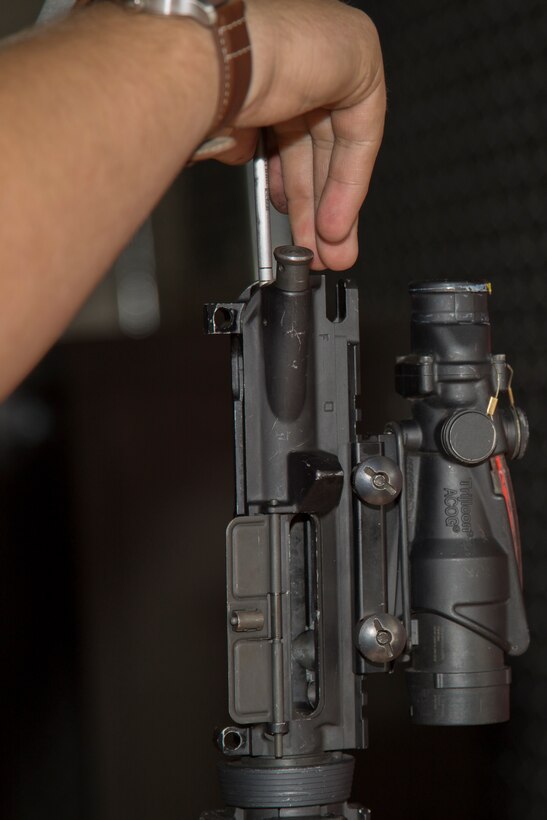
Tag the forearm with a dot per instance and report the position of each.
(77, 179)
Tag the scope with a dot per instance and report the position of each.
(464, 545)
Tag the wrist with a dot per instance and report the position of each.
(176, 57)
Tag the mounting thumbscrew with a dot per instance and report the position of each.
(377, 480)
(381, 638)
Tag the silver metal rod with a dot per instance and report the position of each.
(278, 688)
(262, 211)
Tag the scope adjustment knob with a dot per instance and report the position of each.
(468, 436)
(517, 431)
(381, 638)
(377, 480)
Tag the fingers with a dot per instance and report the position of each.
(340, 255)
(336, 251)
(321, 179)
(322, 135)
(357, 137)
(297, 167)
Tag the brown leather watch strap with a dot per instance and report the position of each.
(235, 52)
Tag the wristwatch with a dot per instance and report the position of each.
(226, 18)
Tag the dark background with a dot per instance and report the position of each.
(115, 458)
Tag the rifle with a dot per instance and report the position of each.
(350, 553)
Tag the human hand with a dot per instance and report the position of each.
(318, 81)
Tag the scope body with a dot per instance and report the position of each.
(464, 542)
(349, 553)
